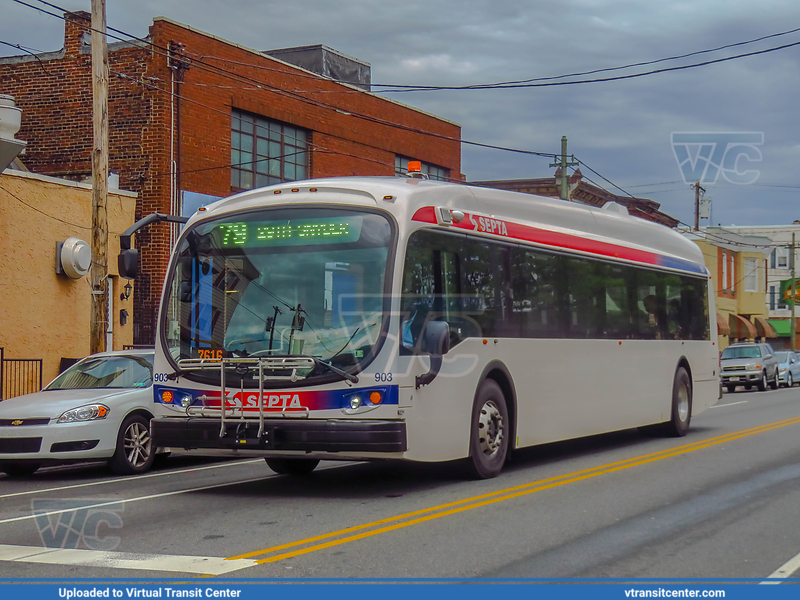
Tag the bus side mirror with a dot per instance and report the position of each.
(435, 342)
(128, 263)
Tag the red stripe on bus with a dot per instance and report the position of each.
(425, 215)
(541, 236)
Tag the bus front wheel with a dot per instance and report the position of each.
(489, 432)
(678, 424)
(292, 466)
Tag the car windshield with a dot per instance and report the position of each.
(782, 357)
(280, 282)
(741, 352)
(111, 372)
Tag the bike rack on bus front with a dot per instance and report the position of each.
(263, 363)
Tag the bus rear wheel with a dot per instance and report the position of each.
(292, 466)
(489, 432)
(678, 424)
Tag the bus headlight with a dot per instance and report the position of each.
(355, 402)
(186, 400)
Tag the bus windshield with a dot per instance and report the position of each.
(280, 282)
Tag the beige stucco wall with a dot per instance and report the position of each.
(44, 315)
(744, 303)
(751, 303)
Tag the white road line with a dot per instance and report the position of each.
(715, 406)
(784, 571)
(200, 565)
(121, 500)
(162, 495)
(132, 479)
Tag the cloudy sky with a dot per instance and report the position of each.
(621, 129)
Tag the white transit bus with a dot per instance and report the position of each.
(402, 318)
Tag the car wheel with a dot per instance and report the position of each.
(292, 466)
(731, 388)
(489, 432)
(134, 452)
(19, 469)
(775, 384)
(678, 424)
(762, 383)
(789, 380)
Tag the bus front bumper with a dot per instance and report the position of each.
(331, 435)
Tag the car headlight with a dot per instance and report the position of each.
(753, 367)
(90, 412)
(783, 369)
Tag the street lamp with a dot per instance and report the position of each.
(126, 294)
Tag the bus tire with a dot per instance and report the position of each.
(678, 424)
(292, 466)
(489, 432)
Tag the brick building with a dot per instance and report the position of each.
(191, 112)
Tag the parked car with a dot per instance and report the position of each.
(99, 408)
(749, 364)
(788, 368)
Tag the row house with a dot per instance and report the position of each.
(738, 267)
(778, 269)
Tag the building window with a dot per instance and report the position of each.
(783, 257)
(772, 297)
(432, 171)
(264, 152)
(750, 274)
(732, 272)
(724, 282)
(772, 259)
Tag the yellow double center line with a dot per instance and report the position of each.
(359, 532)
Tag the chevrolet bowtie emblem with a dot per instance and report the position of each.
(17, 422)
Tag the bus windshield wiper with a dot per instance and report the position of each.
(349, 376)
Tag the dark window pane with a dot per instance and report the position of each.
(255, 138)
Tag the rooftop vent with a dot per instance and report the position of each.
(328, 62)
(10, 121)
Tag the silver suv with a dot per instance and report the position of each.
(747, 364)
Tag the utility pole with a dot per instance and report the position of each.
(99, 271)
(564, 164)
(697, 190)
(792, 321)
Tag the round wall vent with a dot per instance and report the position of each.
(76, 257)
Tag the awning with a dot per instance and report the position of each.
(741, 327)
(722, 326)
(782, 327)
(763, 327)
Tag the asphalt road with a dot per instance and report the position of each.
(723, 502)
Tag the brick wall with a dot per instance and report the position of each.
(55, 96)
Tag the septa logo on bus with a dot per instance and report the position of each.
(488, 225)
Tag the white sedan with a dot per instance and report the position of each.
(99, 408)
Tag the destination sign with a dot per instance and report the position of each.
(295, 232)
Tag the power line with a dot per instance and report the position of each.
(605, 70)
(400, 88)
